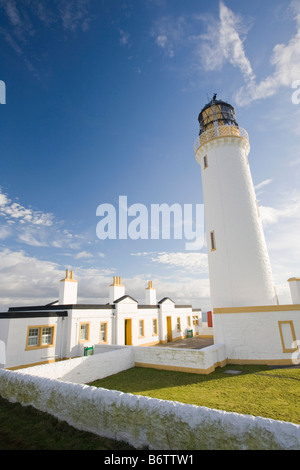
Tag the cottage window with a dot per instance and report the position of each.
(47, 333)
(154, 326)
(40, 337)
(103, 332)
(141, 328)
(84, 332)
(33, 337)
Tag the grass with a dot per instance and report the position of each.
(25, 428)
(257, 390)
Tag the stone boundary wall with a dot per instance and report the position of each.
(147, 422)
(197, 361)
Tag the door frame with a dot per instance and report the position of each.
(169, 329)
(128, 331)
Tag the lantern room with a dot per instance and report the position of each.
(216, 113)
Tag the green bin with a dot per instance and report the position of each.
(189, 334)
(89, 351)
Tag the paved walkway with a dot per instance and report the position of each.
(188, 343)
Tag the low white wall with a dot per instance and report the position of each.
(109, 360)
(200, 361)
(86, 369)
(205, 330)
(147, 422)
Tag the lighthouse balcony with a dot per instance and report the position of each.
(217, 132)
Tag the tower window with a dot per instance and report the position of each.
(213, 241)
(205, 162)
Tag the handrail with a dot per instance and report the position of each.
(220, 131)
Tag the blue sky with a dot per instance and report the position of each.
(102, 101)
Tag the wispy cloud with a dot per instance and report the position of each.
(14, 211)
(190, 261)
(224, 42)
(124, 38)
(169, 33)
(26, 280)
(282, 227)
(20, 32)
(288, 209)
(259, 188)
(285, 60)
(33, 227)
(83, 254)
(74, 14)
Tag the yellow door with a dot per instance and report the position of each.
(169, 329)
(128, 333)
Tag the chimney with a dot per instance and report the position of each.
(68, 290)
(294, 283)
(150, 294)
(116, 290)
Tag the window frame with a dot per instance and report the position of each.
(85, 340)
(154, 327)
(141, 324)
(40, 344)
(105, 332)
(285, 348)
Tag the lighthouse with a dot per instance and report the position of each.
(239, 266)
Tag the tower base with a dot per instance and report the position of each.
(259, 335)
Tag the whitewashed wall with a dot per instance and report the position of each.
(147, 422)
(147, 315)
(109, 361)
(201, 361)
(16, 354)
(93, 317)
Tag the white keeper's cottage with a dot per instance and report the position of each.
(65, 329)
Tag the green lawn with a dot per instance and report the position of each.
(257, 390)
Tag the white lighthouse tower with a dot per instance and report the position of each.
(239, 266)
